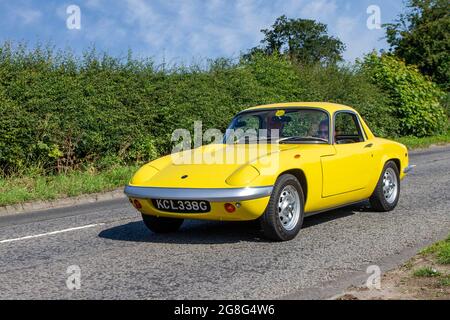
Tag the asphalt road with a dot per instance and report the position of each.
(119, 259)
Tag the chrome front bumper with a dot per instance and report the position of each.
(208, 194)
(408, 169)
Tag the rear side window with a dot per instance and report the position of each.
(347, 128)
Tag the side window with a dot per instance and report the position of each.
(347, 129)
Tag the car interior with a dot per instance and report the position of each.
(347, 129)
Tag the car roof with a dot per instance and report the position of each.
(330, 107)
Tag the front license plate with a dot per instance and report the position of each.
(182, 206)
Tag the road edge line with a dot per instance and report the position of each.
(41, 205)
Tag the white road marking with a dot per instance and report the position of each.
(51, 233)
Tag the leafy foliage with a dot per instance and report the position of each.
(421, 37)
(416, 100)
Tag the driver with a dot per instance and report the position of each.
(274, 124)
(322, 132)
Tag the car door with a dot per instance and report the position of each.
(347, 169)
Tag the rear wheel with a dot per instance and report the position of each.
(283, 217)
(162, 225)
(387, 192)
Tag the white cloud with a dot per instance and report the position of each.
(225, 28)
(183, 29)
(27, 15)
(144, 21)
(214, 7)
(223, 38)
(319, 9)
(345, 25)
(141, 12)
(292, 8)
(357, 37)
(188, 13)
(95, 4)
(106, 31)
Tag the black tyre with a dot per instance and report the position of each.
(162, 225)
(387, 192)
(284, 214)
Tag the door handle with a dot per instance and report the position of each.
(368, 145)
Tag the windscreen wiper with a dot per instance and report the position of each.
(298, 138)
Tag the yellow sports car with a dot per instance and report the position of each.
(276, 163)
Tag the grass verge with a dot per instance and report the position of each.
(426, 272)
(424, 142)
(37, 187)
(440, 250)
(425, 276)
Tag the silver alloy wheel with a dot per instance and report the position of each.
(289, 207)
(390, 185)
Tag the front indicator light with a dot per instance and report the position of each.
(229, 207)
(137, 204)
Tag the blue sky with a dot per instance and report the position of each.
(185, 31)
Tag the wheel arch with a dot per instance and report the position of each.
(393, 159)
(300, 175)
(382, 163)
(377, 198)
(397, 163)
(395, 152)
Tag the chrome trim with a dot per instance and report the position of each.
(409, 168)
(208, 194)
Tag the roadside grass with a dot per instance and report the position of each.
(40, 187)
(426, 276)
(415, 142)
(426, 272)
(441, 250)
(445, 281)
(438, 254)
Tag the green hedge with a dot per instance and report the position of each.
(416, 100)
(59, 112)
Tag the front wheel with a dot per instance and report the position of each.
(283, 217)
(387, 192)
(162, 225)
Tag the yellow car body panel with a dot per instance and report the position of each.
(332, 175)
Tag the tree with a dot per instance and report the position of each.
(421, 36)
(304, 40)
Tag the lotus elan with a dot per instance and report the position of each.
(276, 164)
